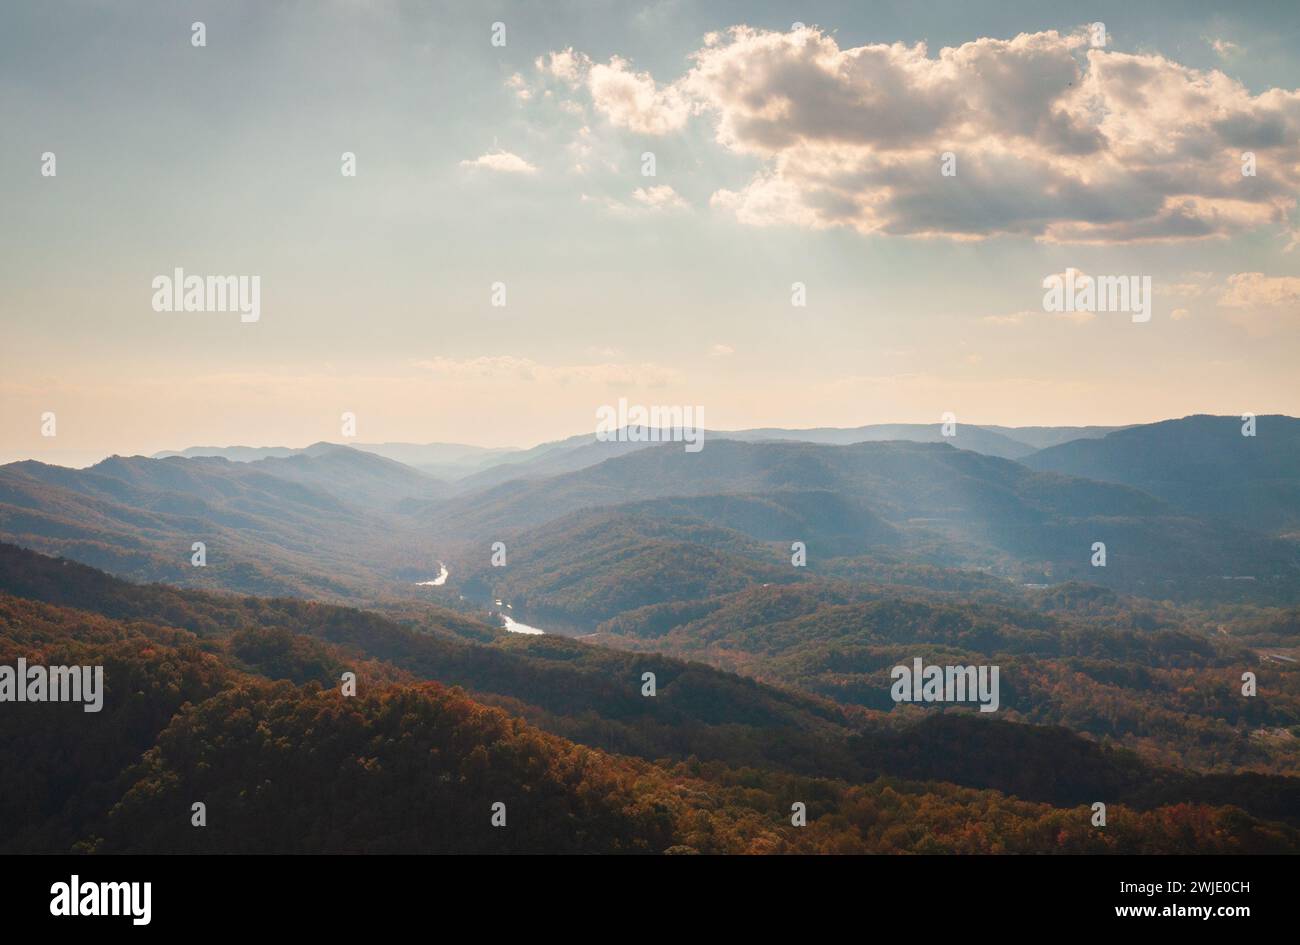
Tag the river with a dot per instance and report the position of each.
(511, 624)
(439, 581)
(514, 626)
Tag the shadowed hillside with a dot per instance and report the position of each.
(1202, 465)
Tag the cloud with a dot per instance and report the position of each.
(660, 197)
(627, 99)
(519, 85)
(1052, 139)
(590, 152)
(1261, 304)
(1224, 48)
(721, 351)
(631, 100)
(501, 161)
(569, 67)
(646, 200)
(1255, 290)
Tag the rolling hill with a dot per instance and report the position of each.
(1202, 465)
(579, 452)
(235, 701)
(269, 529)
(936, 504)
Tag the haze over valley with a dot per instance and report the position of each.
(650, 428)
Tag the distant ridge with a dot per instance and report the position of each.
(1201, 464)
(476, 467)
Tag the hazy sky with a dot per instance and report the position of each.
(782, 155)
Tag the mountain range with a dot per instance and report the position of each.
(1122, 579)
(1186, 508)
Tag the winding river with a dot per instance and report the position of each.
(510, 623)
(440, 580)
(514, 626)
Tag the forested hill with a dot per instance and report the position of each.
(235, 703)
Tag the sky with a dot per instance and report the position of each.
(500, 154)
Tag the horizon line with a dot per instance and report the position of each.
(360, 445)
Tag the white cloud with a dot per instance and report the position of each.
(1262, 304)
(627, 99)
(501, 161)
(632, 101)
(1255, 290)
(519, 86)
(660, 197)
(569, 67)
(1053, 139)
(645, 201)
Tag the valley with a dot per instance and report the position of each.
(769, 587)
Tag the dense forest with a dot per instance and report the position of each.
(769, 588)
(235, 703)
(1169, 692)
